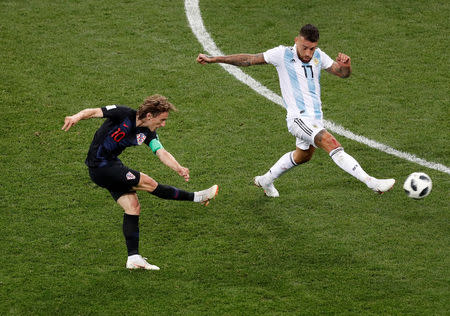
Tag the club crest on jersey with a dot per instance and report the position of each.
(140, 138)
(130, 176)
(315, 61)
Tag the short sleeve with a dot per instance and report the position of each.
(115, 112)
(275, 55)
(326, 61)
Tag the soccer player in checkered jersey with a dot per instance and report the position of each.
(299, 70)
(125, 127)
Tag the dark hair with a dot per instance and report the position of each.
(310, 33)
(155, 104)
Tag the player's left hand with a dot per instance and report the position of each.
(184, 172)
(343, 60)
(69, 121)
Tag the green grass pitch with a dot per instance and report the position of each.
(328, 245)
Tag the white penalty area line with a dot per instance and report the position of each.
(196, 23)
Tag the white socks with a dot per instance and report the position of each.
(283, 164)
(350, 165)
(339, 156)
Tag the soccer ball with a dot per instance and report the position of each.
(418, 185)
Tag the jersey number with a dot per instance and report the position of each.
(118, 135)
(306, 72)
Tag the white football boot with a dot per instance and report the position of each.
(382, 185)
(269, 188)
(138, 262)
(207, 195)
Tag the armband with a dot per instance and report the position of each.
(155, 145)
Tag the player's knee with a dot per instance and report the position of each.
(302, 156)
(307, 157)
(132, 207)
(147, 183)
(302, 159)
(135, 208)
(328, 142)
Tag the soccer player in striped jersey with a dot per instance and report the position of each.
(125, 127)
(299, 70)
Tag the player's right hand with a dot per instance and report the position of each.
(203, 59)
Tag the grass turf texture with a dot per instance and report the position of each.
(328, 245)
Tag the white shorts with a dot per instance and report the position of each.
(304, 130)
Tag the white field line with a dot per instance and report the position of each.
(196, 23)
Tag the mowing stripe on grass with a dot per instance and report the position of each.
(196, 23)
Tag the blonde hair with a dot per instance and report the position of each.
(155, 104)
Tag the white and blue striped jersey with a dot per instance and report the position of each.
(299, 81)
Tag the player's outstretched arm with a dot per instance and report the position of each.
(241, 60)
(170, 161)
(342, 66)
(70, 121)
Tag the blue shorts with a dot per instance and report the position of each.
(116, 178)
